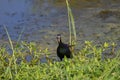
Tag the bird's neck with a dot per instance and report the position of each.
(60, 42)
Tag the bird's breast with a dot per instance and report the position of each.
(62, 50)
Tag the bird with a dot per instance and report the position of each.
(63, 49)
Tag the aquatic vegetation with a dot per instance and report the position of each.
(87, 64)
(71, 24)
(104, 14)
(15, 65)
(80, 67)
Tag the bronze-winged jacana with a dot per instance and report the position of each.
(63, 49)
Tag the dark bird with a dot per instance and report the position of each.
(63, 49)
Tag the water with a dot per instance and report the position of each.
(41, 20)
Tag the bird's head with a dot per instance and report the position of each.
(58, 38)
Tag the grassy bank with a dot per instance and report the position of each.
(81, 67)
(89, 63)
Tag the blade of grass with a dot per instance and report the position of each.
(11, 44)
(20, 34)
(71, 23)
(10, 41)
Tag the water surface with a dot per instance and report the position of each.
(41, 20)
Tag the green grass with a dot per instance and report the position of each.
(8, 69)
(80, 67)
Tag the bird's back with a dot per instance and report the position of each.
(63, 50)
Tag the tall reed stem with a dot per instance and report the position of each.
(71, 23)
(12, 48)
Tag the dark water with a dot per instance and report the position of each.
(20, 15)
(41, 20)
